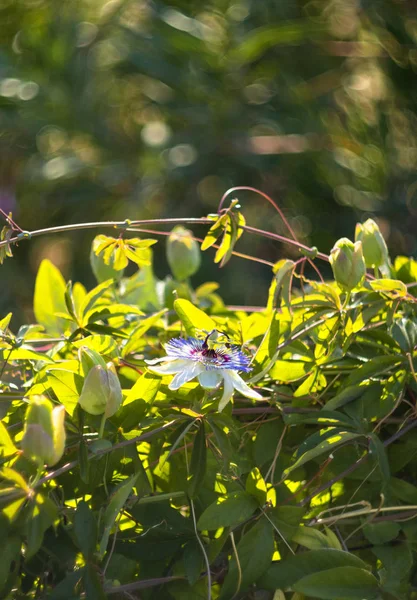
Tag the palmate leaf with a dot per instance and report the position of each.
(229, 225)
(6, 250)
(117, 251)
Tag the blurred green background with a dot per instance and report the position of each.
(137, 109)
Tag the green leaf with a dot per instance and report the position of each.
(135, 339)
(9, 553)
(326, 446)
(311, 538)
(7, 448)
(113, 509)
(50, 298)
(105, 345)
(85, 529)
(287, 520)
(375, 366)
(254, 551)
(347, 583)
(193, 561)
(287, 371)
(286, 573)
(43, 513)
(198, 462)
(391, 287)
(376, 447)
(193, 318)
(230, 509)
(92, 300)
(262, 39)
(256, 486)
(92, 584)
(381, 533)
(67, 386)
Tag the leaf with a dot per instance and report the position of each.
(193, 561)
(49, 298)
(256, 486)
(311, 538)
(393, 288)
(103, 344)
(92, 584)
(67, 386)
(193, 318)
(262, 39)
(376, 447)
(283, 270)
(91, 300)
(254, 550)
(137, 334)
(85, 529)
(350, 394)
(7, 448)
(348, 583)
(375, 366)
(287, 520)
(381, 533)
(198, 462)
(230, 509)
(9, 553)
(326, 446)
(285, 573)
(214, 232)
(42, 515)
(113, 509)
(287, 371)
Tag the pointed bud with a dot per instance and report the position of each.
(101, 392)
(348, 264)
(375, 249)
(183, 253)
(89, 358)
(44, 433)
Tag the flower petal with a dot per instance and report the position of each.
(242, 387)
(209, 379)
(228, 389)
(171, 367)
(156, 361)
(192, 370)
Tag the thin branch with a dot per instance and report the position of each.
(142, 585)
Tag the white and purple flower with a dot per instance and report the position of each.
(190, 358)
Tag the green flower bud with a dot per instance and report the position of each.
(374, 248)
(348, 264)
(103, 272)
(183, 253)
(44, 433)
(101, 392)
(89, 358)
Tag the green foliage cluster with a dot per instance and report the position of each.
(141, 109)
(152, 492)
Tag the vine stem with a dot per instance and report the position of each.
(267, 198)
(131, 225)
(106, 224)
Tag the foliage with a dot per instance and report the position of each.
(140, 108)
(308, 492)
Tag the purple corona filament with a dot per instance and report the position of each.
(197, 350)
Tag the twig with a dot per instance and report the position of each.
(142, 585)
